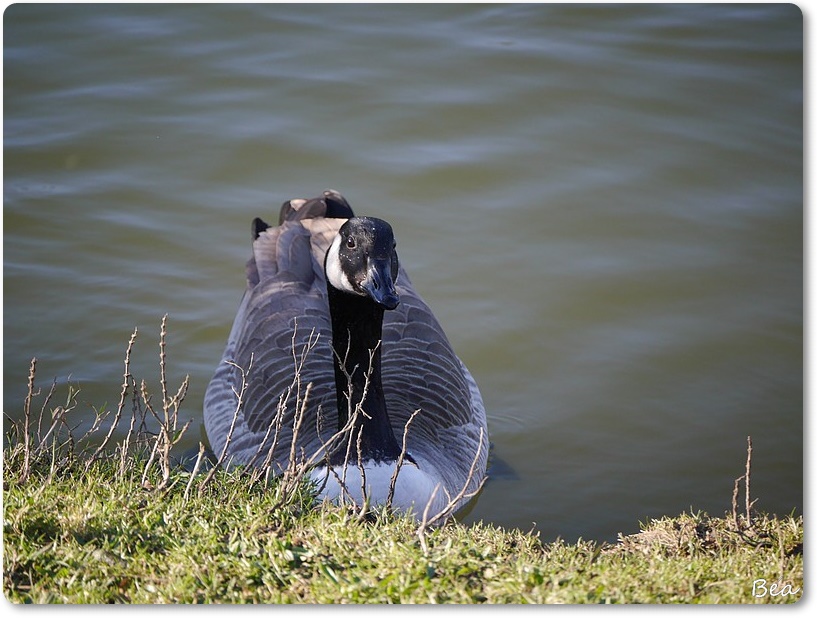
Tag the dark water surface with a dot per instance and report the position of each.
(602, 204)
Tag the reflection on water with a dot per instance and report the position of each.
(602, 204)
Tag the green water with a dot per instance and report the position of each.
(602, 204)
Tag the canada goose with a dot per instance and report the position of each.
(325, 289)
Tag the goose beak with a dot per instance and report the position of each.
(379, 285)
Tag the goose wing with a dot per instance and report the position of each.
(421, 372)
(282, 324)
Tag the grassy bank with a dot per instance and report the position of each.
(93, 519)
(97, 537)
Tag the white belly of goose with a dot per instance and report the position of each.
(414, 492)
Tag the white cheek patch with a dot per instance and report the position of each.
(334, 272)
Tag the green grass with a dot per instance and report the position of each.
(89, 519)
(99, 537)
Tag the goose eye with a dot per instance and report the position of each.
(350, 242)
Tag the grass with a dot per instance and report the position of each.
(125, 524)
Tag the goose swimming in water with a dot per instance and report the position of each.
(327, 294)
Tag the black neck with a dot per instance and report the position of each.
(357, 329)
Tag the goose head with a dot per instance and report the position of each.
(362, 261)
(361, 269)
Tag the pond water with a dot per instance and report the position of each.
(602, 204)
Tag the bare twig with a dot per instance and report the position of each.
(400, 458)
(364, 494)
(126, 379)
(162, 358)
(125, 446)
(735, 493)
(168, 424)
(298, 467)
(238, 406)
(464, 494)
(99, 417)
(41, 440)
(168, 435)
(294, 472)
(150, 459)
(32, 371)
(59, 438)
(57, 415)
(56, 421)
(748, 476)
(453, 503)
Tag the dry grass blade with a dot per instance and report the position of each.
(194, 471)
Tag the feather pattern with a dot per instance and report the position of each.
(283, 321)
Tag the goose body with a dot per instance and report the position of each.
(326, 295)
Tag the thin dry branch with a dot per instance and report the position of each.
(364, 494)
(124, 447)
(746, 477)
(735, 493)
(126, 380)
(400, 458)
(162, 367)
(32, 372)
(58, 416)
(298, 467)
(294, 472)
(59, 438)
(99, 417)
(56, 420)
(453, 503)
(40, 439)
(238, 406)
(168, 434)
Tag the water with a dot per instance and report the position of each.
(602, 204)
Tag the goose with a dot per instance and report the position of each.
(327, 294)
